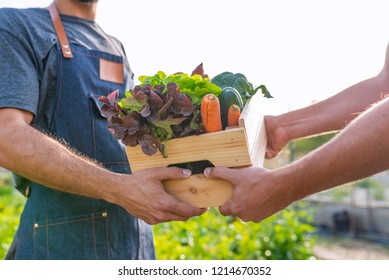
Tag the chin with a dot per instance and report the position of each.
(88, 1)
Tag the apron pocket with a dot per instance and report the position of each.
(77, 237)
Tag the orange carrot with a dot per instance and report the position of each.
(233, 115)
(210, 113)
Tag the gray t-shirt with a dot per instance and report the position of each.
(29, 55)
(28, 60)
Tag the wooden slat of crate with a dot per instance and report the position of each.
(225, 148)
(199, 191)
(253, 121)
(258, 150)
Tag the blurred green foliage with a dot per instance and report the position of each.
(377, 191)
(300, 147)
(305, 145)
(11, 206)
(285, 235)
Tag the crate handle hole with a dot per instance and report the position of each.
(197, 167)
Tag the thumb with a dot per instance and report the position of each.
(228, 174)
(233, 205)
(271, 152)
(165, 173)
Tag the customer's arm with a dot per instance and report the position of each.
(358, 151)
(328, 115)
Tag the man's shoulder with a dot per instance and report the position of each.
(22, 14)
(29, 27)
(12, 18)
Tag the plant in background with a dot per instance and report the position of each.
(376, 190)
(11, 206)
(341, 194)
(285, 235)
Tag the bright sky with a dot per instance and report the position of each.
(302, 50)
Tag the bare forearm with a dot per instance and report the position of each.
(31, 154)
(335, 112)
(329, 115)
(359, 151)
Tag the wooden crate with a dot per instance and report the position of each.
(234, 147)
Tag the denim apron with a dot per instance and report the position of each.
(59, 225)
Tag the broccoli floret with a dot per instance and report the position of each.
(240, 83)
(224, 79)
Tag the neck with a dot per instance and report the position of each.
(77, 9)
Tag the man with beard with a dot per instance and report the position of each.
(82, 201)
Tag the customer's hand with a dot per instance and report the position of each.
(277, 136)
(256, 192)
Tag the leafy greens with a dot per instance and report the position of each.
(150, 115)
(195, 86)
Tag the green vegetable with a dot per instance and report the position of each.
(240, 83)
(149, 116)
(195, 86)
(228, 97)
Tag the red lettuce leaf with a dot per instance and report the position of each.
(150, 115)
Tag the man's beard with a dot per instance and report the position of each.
(88, 1)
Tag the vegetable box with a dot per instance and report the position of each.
(234, 147)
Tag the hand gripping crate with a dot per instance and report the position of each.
(241, 146)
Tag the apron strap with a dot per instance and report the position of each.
(63, 39)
